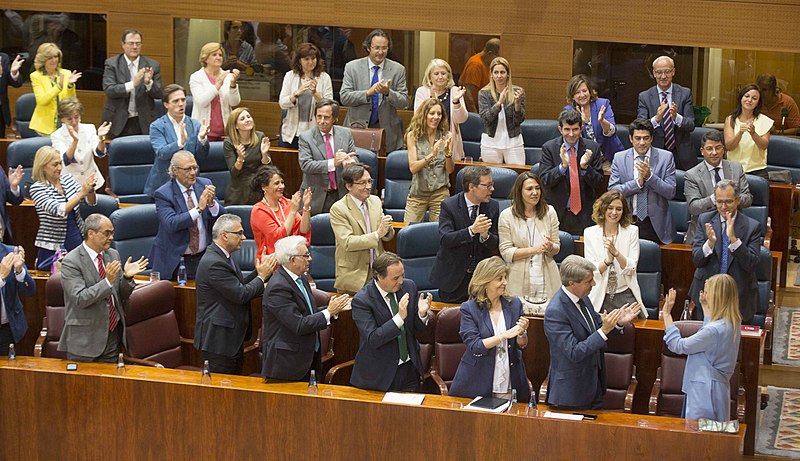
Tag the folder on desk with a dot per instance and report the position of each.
(491, 404)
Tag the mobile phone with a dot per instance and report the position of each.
(72, 366)
(587, 416)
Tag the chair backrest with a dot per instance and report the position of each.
(106, 205)
(648, 274)
(537, 132)
(471, 131)
(22, 153)
(764, 277)
(54, 313)
(214, 168)
(323, 252)
(670, 398)
(418, 249)
(783, 155)
(533, 155)
(619, 367)
(679, 182)
(243, 212)
(567, 246)
(680, 217)
(135, 229)
(758, 210)
(369, 158)
(151, 326)
(23, 111)
(448, 347)
(130, 159)
(246, 256)
(427, 339)
(396, 184)
(624, 136)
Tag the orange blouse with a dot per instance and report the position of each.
(268, 225)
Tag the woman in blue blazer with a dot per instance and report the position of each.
(598, 118)
(495, 332)
(712, 351)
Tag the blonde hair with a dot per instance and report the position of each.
(45, 52)
(69, 105)
(417, 127)
(44, 155)
(722, 297)
(487, 270)
(436, 62)
(233, 133)
(491, 85)
(207, 50)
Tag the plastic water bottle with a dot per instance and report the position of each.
(514, 408)
(120, 365)
(685, 314)
(205, 378)
(313, 389)
(533, 409)
(182, 274)
(12, 356)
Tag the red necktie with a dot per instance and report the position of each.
(112, 313)
(574, 183)
(329, 154)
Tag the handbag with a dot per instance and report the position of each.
(373, 139)
(782, 176)
(534, 306)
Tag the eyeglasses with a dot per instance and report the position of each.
(727, 202)
(487, 185)
(239, 233)
(107, 233)
(306, 255)
(714, 148)
(663, 71)
(366, 182)
(188, 168)
(134, 44)
(380, 48)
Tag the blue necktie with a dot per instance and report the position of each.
(308, 303)
(373, 118)
(641, 198)
(723, 266)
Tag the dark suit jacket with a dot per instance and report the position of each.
(115, 110)
(291, 330)
(174, 223)
(165, 144)
(649, 102)
(378, 349)
(5, 81)
(314, 163)
(455, 243)
(11, 291)
(7, 196)
(557, 184)
(223, 303)
(577, 363)
(475, 372)
(698, 186)
(741, 263)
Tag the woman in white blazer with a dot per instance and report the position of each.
(304, 85)
(214, 91)
(613, 247)
(438, 83)
(528, 232)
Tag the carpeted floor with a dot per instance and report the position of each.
(779, 424)
(786, 340)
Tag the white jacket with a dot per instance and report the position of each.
(203, 91)
(291, 83)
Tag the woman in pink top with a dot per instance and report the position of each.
(274, 216)
(214, 91)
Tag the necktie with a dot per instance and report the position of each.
(574, 183)
(401, 340)
(112, 313)
(329, 155)
(669, 126)
(365, 213)
(723, 265)
(473, 213)
(641, 196)
(586, 315)
(717, 177)
(373, 118)
(308, 303)
(471, 263)
(132, 101)
(194, 231)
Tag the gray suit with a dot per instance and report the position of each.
(86, 318)
(115, 75)
(314, 163)
(699, 185)
(353, 94)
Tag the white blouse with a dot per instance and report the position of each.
(501, 382)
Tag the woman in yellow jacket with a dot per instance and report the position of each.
(50, 84)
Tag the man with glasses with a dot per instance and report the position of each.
(467, 234)
(132, 83)
(669, 108)
(360, 227)
(187, 208)
(374, 87)
(224, 295)
(727, 242)
(700, 180)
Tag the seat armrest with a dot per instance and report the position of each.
(543, 389)
(336, 368)
(740, 400)
(628, 405)
(37, 348)
(653, 404)
(443, 390)
(147, 363)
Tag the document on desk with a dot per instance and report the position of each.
(490, 404)
(405, 399)
(554, 415)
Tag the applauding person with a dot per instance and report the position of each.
(747, 132)
(245, 151)
(9, 76)
(50, 84)
(274, 216)
(304, 86)
(502, 109)
(598, 118)
(438, 83)
(79, 142)
(214, 91)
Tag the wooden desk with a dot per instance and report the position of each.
(154, 414)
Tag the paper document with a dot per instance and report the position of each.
(554, 415)
(406, 399)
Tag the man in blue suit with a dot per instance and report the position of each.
(388, 316)
(14, 280)
(173, 132)
(646, 177)
(577, 336)
(186, 208)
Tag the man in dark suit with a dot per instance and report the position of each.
(467, 234)
(186, 208)
(15, 280)
(96, 288)
(292, 320)
(577, 336)
(223, 298)
(669, 108)
(572, 172)
(131, 82)
(727, 242)
(388, 315)
(9, 75)
(323, 152)
(10, 192)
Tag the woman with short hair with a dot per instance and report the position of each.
(79, 143)
(214, 91)
(50, 84)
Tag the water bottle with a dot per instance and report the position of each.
(12, 356)
(120, 365)
(205, 378)
(514, 408)
(533, 409)
(182, 274)
(685, 314)
(313, 389)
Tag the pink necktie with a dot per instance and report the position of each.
(329, 154)
(574, 183)
(112, 313)
(365, 212)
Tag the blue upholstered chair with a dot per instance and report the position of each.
(537, 132)
(765, 311)
(396, 183)
(471, 131)
(22, 152)
(624, 136)
(135, 229)
(784, 154)
(648, 274)
(214, 168)
(417, 245)
(246, 256)
(130, 159)
(503, 179)
(370, 159)
(106, 205)
(679, 209)
(323, 252)
(567, 246)
(23, 111)
(758, 210)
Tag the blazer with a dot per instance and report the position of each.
(6, 195)
(609, 145)
(577, 361)
(115, 110)
(240, 187)
(314, 163)
(223, 303)
(556, 184)
(712, 353)
(291, 328)
(698, 186)
(455, 243)
(628, 244)
(203, 92)
(378, 347)
(45, 116)
(12, 290)
(5, 81)
(268, 229)
(50, 206)
(174, 223)
(660, 187)
(165, 144)
(291, 83)
(458, 115)
(513, 233)
(85, 299)
(475, 374)
(741, 263)
(82, 165)
(353, 94)
(490, 114)
(353, 243)
(649, 102)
